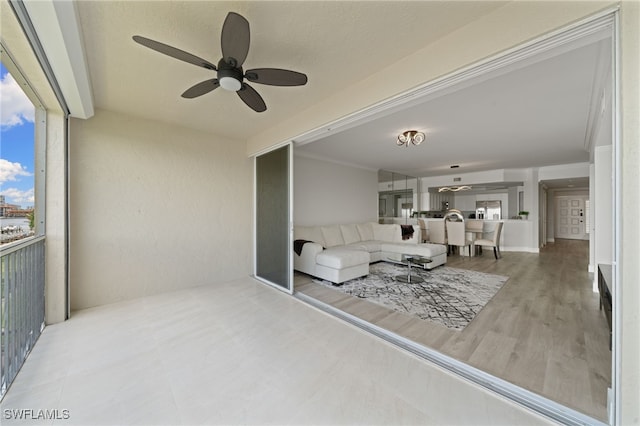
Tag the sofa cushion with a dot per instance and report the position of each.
(366, 231)
(385, 232)
(370, 246)
(350, 234)
(332, 236)
(309, 233)
(340, 258)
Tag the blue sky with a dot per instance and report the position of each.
(16, 142)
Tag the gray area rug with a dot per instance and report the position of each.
(449, 296)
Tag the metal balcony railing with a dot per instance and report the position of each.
(21, 305)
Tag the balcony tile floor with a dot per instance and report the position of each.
(234, 353)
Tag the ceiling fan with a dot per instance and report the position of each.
(235, 47)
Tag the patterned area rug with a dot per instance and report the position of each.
(449, 296)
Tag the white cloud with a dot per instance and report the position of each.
(11, 171)
(16, 196)
(15, 107)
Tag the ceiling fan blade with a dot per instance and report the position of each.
(174, 52)
(201, 88)
(252, 98)
(276, 77)
(235, 39)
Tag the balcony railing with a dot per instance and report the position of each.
(21, 305)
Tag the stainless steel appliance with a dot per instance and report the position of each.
(490, 210)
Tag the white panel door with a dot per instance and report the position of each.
(570, 217)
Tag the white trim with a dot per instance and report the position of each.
(270, 148)
(520, 249)
(57, 27)
(616, 390)
(18, 76)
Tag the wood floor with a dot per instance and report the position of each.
(542, 331)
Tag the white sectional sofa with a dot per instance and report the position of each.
(338, 253)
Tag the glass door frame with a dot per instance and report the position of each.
(290, 289)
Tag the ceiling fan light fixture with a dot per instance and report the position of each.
(410, 137)
(230, 77)
(230, 83)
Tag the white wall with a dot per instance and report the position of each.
(328, 193)
(154, 208)
(14, 40)
(603, 200)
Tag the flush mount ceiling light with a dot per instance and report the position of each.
(410, 137)
(454, 188)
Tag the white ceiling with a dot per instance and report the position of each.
(335, 43)
(531, 116)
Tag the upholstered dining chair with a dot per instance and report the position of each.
(476, 228)
(437, 233)
(457, 235)
(423, 230)
(493, 241)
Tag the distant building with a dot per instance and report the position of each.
(12, 210)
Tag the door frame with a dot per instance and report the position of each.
(608, 18)
(290, 289)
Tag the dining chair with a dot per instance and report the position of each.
(437, 232)
(475, 227)
(457, 235)
(423, 230)
(493, 240)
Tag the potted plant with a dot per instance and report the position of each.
(524, 214)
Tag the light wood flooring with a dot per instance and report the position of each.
(542, 331)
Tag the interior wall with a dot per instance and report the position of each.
(327, 193)
(603, 205)
(154, 208)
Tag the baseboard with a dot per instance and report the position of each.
(551, 240)
(520, 249)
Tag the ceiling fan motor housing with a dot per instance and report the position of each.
(230, 77)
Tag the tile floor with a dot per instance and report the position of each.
(235, 353)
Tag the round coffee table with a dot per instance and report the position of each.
(410, 260)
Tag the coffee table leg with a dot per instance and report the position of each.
(409, 278)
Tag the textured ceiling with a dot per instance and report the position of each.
(531, 116)
(335, 43)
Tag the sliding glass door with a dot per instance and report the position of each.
(273, 218)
